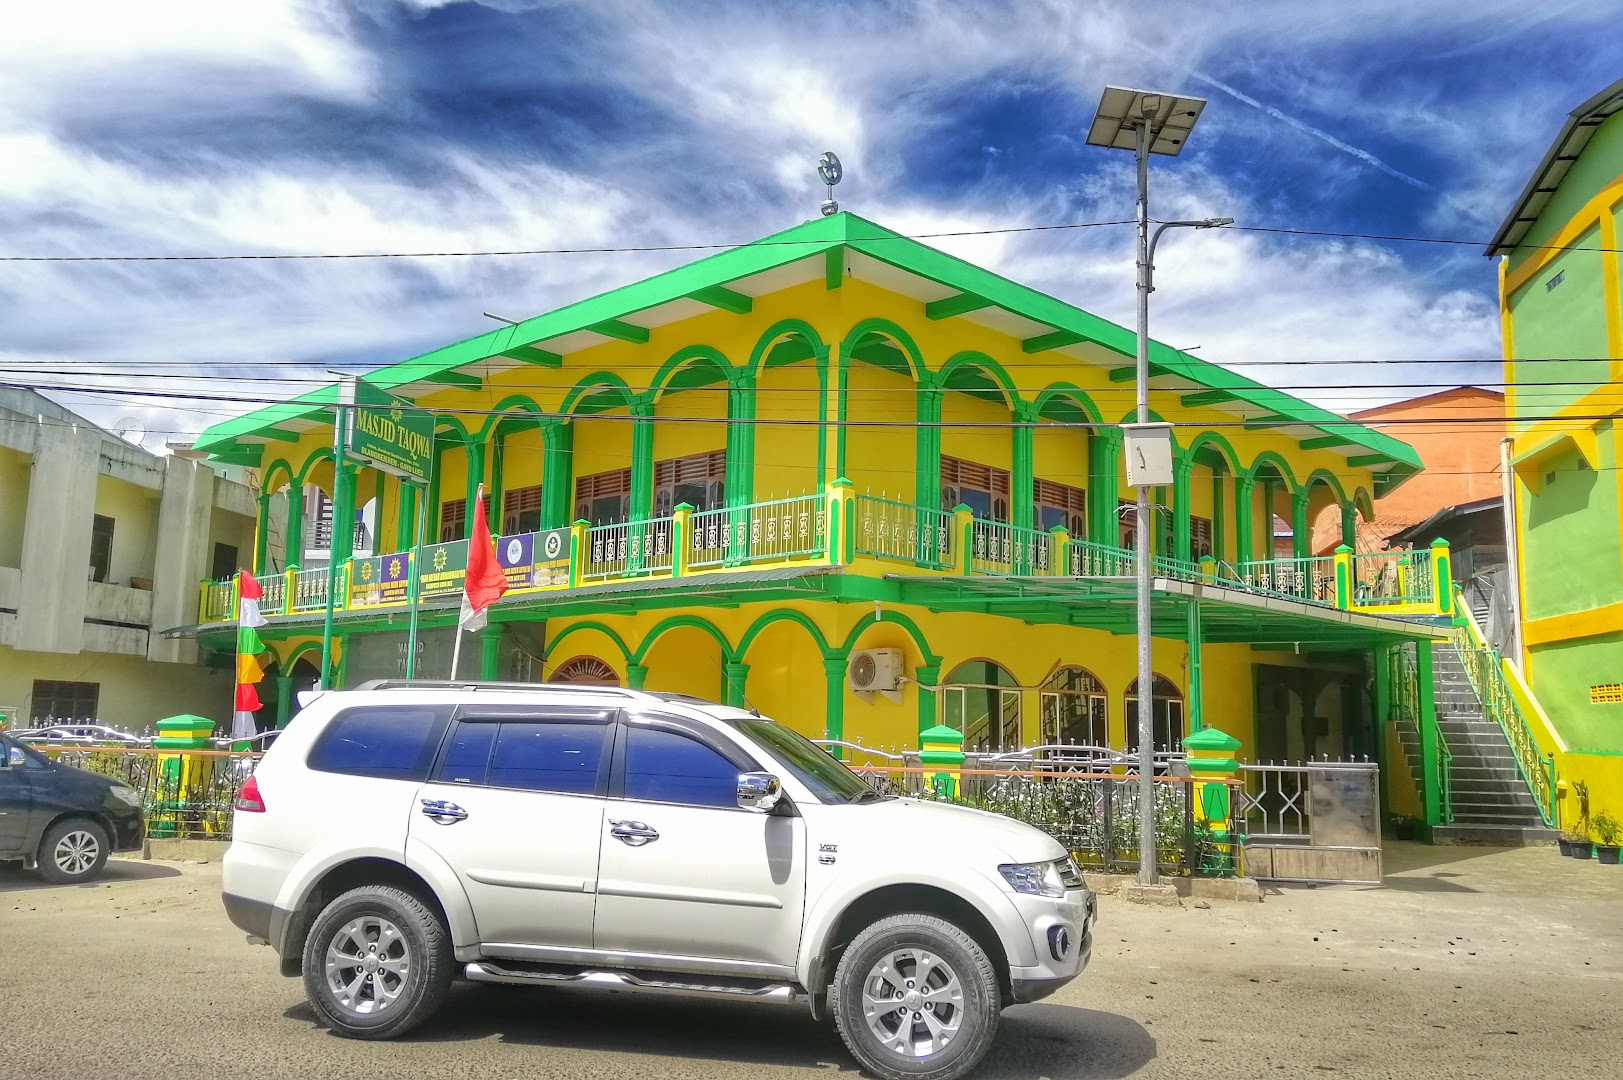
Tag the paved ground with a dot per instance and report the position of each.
(1469, 963)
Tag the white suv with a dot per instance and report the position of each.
(402, 833)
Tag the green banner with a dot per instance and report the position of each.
(391, 433)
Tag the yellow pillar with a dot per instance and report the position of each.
(1210, 755)
(941, 752)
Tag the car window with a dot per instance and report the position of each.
(667, 766)
(392, 742)
(467, 754)
(549, 755)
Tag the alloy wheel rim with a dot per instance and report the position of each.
(367, 964)
(76, 852)
(913, 1003)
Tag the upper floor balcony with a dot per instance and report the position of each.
(837, 529)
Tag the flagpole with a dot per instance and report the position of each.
(456, 646)
(346, 393)
(413, 584)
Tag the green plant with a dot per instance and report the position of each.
(1606, 829)
(1579, 832)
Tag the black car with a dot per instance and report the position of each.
(63, 820)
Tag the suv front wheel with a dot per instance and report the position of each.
(915, 998)
(377, 963)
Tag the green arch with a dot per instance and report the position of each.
(781, 615)
(1272, 457)
(457, 427)
(901, 620)
(1224, 448)
(293, 657)
(971, 358)
(619, 643)
(316, 456)
(679, 359)
(768, 342)
(1053, 392)
(1365, 504)
(513, 403)
(884, 328)
(267, 479)
(672, 623)
(1329, 480)
(597, 380)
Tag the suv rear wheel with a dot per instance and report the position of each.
(377, 963)
(915, 998)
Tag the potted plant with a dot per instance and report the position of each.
(1608, 832)
(1565, 845)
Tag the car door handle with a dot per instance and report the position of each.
(443, 812)
(634, 833)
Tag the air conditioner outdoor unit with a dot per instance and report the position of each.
(876, 671)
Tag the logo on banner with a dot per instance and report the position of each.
(515, 551)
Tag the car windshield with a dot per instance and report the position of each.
(827, 778)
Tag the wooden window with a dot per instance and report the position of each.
(64, 700)
(1126, 518)
(603, 498)
(101, 547)
(521, 511)
(982, 488)
(453, 520)
(700, 480)
(1061, 504)
(1200, 537)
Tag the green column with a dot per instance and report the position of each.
(1431, 794)
(737, 674)
(343, 514)
(1244, 518)
(740, 438)
(1196, 697)
(1183, 471)
(498, 480)
(1022, 483)
(436, 472)
(1349, 526)
(1382, 657)
(490, 651)
(927, 443)
(405, 516)
(642, 458)
(834, 667)
(1219, 519)
(1301, 527)
(476, 476)
(928, 675)
(636, 676)
(294, 544)
(284, 700)
(1104, 454)
(262, 535)
(557, 473)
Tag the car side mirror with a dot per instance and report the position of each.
(758, 791)
(14, 758)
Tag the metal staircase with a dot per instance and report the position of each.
(1489, 799)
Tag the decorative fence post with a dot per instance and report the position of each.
(681, 527)
(842, 528)
(579, 555)
(1210, 755)
(290, 575)
(1344, 577)
(1442, 577)
(1208, 568)
(941, 751)
(963, 524)
(1059, 551)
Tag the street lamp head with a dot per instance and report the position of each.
(1215, 223)
(1121, 111)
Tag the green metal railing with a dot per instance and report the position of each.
(888, 529)
(1396, 577)
(1485, 671)
(1000, 548)
(1406, 696)
(771, 531)
(1312, 580)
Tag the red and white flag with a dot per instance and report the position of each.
(249, 649)
(486, 581)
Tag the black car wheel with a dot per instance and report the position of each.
(377, 963)
(72, 851)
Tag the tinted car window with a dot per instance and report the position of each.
(559, 756)
(392, 742)
(467, 754)
(664, 766)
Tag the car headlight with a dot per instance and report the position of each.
(1034, 879)
(127, 795)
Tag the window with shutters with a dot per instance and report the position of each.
(603, 498)
(1200, 537)
(453, 520)
(521, 511)
(700, 480)
(64, 701)
(1061, 504)
(982, 488)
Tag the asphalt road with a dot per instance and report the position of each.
(1468, 963)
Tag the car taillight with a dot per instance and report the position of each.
(248, 798)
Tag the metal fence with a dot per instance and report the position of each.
(999, 548)
(1312, 579)
(777, 529)
(889, 529)
(1311, 821)
(627, 547)
(1402, 576)
(185, 794)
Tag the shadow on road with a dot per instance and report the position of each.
(14, 879)
(1033, 1041)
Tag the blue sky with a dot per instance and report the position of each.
(195, 127)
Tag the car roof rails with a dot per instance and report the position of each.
(480, 684)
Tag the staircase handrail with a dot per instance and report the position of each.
(1484, 670)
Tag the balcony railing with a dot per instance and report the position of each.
(836, 527)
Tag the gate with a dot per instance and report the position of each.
(1313, 822)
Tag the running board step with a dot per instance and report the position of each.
(522, 974)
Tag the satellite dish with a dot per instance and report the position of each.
(131, 430)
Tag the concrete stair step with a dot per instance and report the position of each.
(1504, 835)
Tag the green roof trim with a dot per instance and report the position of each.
(1128, 374)
(454, 378)
(1206, 397)
(962, 304)
(719, 296)
(826, 237)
